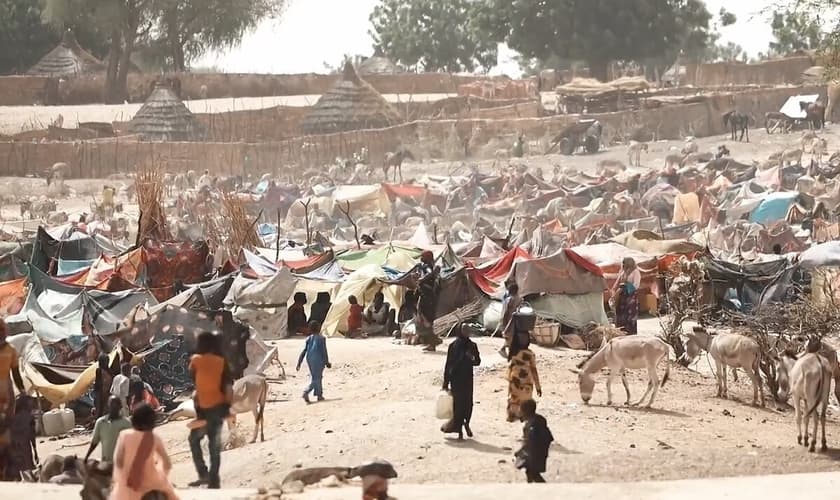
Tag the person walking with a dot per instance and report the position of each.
(317, 358)
(538, 438)
(522, 375)
(107, 429)
(213, 392)
(461, 357)
(119, 386)
(141, 463)
(625, 295)
(510, 305)
(102, 385)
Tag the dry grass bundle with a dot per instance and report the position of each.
(446, 322)
(150, 195)
(240, 229)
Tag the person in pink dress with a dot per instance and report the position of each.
(141, 464)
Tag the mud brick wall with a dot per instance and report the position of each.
(775, 72)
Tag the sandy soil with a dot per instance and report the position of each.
(380, 404)
(14, 119)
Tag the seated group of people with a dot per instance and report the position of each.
(379, 318)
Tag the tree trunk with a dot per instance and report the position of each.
(176, 45)
(125, 64)
(599, 70)
(110, 91)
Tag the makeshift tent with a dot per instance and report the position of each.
(165, 118)
(791, 107)
(67, 60)
(755, 283)
(352, 104)
(608, 258)
(363, 284)
(773, 208)
(400, 259)
(261, 303)
(370, 199)
(564, 272)
(490, 276)
(651, 243)
(169, 261)
(47, 251)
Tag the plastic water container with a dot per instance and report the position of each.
(53, 423)
(68, 419)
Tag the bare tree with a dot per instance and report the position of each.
(346, 212)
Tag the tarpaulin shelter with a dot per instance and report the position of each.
(773, 208)
(261, 302)
(391, 256)
(651, 243)
(608, 257)
(362, 199)
(173, 331)
(490, 276)
(755, 283)
(47, 250)
(169, 261)
(792, 109)
(363, 284)
(564, 272)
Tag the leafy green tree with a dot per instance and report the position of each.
(433, 35)
(597, 31)
(793, 31)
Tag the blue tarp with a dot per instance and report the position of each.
(773, 208)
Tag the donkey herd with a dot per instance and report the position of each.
(803, 373)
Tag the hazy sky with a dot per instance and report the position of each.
(313, 32)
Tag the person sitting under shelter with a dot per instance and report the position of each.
(296, 320)
(379, 318)
(354, 318)
(319, 309)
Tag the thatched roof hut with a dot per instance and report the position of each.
(68, 59)
(352, 104)
(165, 118)
(378, 64)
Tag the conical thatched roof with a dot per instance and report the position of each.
(165, 118)
(352, 104)
(378, 64)
(68, 59)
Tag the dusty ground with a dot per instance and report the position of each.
(380, 404)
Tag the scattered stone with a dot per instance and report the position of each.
(328, 431)
(632, 445)
(502, 461)
(293, 487)
(764, 421)
(663, 445)
(420, 457)
(726, 413)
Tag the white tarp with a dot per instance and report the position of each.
(792, 109)
(261, 303)
(822, 255)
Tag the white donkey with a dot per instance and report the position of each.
(728, 350)
(810, 385)
(621, 354)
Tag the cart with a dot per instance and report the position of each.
(585, 134)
